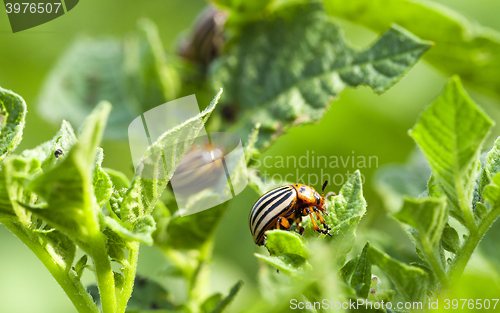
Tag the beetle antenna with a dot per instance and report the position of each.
(324, 186)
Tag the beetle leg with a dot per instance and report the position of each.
(282, 222)
(321, 219)
(301, 229)
(307, 211)
(315, 226)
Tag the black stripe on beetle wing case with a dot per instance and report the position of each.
(268, 208)
(265, 200)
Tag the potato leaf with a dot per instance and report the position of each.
(428, 216)
(461, 46)
(224, 303)
(450, 133)
(194, 230)
(450, 239)
(118, 179)
(491, 168)
(67, 188)
(361, 278)
(144, 192)
(140, 230)
(44, 153)
(148, 296)
(287, 69)
(345, 212)
(13, 108)
(410, 281)
(211, 302)
(288, 252)
(280, 241)
(132, 74)
(492, 192)
(103, 187)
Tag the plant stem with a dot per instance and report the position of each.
(71, 285)
(130, 273)
(466, 210)
(104, 274)
(196, 274)
(199, 279)
(434, 263)
(463, 256)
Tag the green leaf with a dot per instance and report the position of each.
(450, 239)
(493, 159)
(288, 252)
(148, 296)
(224, 303)
(103, 187)
(492, 192)
(491, 168)
(361, 278)
(118, 179)
(410, 281)
(67, 188)
(60, 247)
(80, 265)
(280, 241)
(461, 47)
(344, 213)
(16, 173)
(194, 230)
(140, 230)
(287, 263)
(211, 302)
(348, 269)
(450, 133)
(13, 108)
(44, 153)
(428, 216)
(143, 193)
(132, 74)
(286, 69)
(116, 246)
(152, 80)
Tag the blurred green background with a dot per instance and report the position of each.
(359, 122)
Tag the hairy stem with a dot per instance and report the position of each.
(463, 256)
(435, 263)
(104, 274)
(71, 284)
(199, 279)
(196, 274)
(465, 208)
(130, 273)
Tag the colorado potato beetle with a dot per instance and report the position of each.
(207, 38)
(201, 167)
(279, 208)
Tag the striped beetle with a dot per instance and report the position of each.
(204, 166)
(207, 38)
(280, 207)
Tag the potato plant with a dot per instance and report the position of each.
(263, 68)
